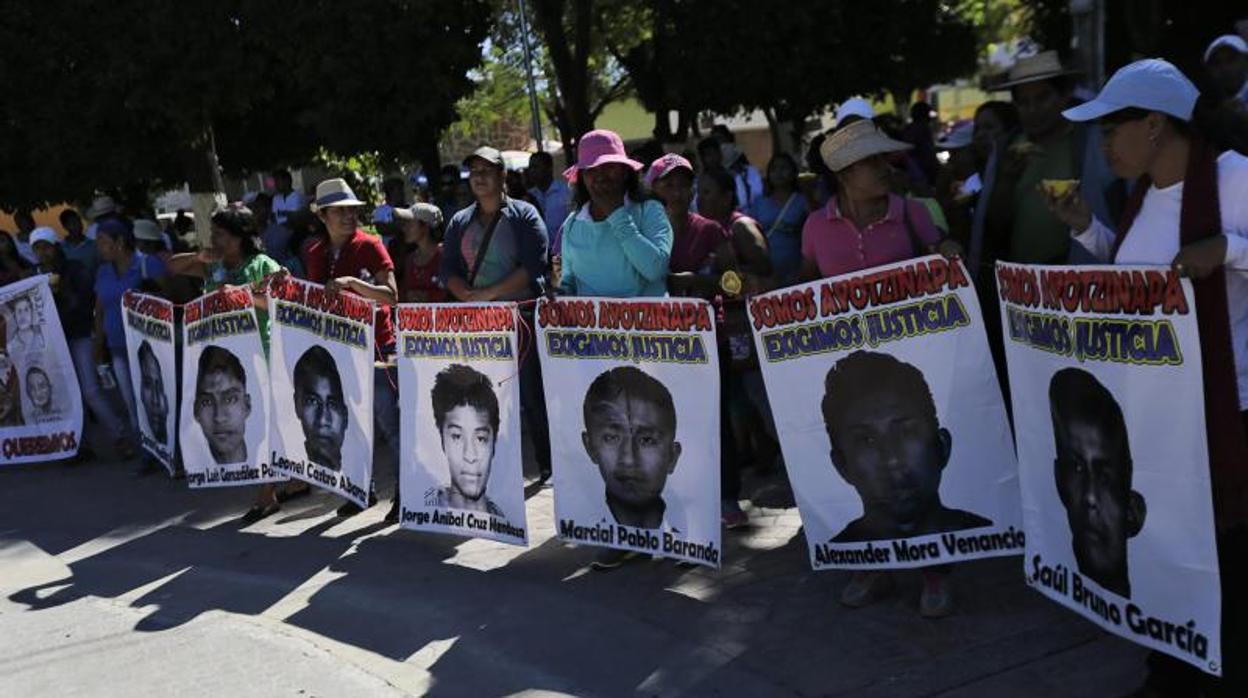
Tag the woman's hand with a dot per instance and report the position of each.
(1200, 259)
(949, 248)
(1069, 208)
(340, 284)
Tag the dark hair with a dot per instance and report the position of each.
(264, 197)
(392, 182)
(1075, 394)
(40, 371)
(632, 187)
(921, 111)
(145, 350)
(629, 382)
(68, 214)
(239, 222)
(316, 362)
(767, 188)
(1005, 112)
(281, 174)
(217, 359)
(721, 133)
(458, 385)
(706, 144)
(118, 231)
(723, 181)
(870, 373)
(542, 156)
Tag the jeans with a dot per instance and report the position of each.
(533, 403)
(94, 398)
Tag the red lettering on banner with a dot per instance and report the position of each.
(148, 306)
(43, 444)
(1104, 291)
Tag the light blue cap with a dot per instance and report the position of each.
(1151, 84)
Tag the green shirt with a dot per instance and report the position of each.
(1037, 236)
(250, 271)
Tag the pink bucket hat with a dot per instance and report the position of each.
(596, 148)
(664, 166)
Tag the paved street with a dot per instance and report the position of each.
(112, 585)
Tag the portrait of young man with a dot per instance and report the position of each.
(152, 393)
(630, 434)
(888, 444)
(222, 404)
(466, 413)
(1093, 468)
(321, 407)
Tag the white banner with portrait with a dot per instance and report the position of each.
(890, 417)
(40, 403)
(153, 372)
(461, 468)
(225, 416)
(322, 367)
(1108, 393)
(632, 395)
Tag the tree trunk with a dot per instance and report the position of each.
(570, 58)
(203, 179)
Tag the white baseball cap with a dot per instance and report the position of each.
(1233, 41)
(44, 234)
(1151, 84)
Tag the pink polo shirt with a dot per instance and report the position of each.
(838, 247)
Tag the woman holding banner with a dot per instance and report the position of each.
(1187, 210)
(235, 259)
(865, 225)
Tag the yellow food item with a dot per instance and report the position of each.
(730, 282)
(1058, 188)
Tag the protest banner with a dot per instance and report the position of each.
(225, 416)
(322, 366)
(890, 417)
(40, 404)
(1106, 380)
(153, 372)
(461, 468)
(632, 395)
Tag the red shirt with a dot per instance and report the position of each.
(838, 247)
(691, 248)
(364, 257)
(423, 278)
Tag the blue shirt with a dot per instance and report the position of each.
(624, 256)
(784, 235)
(519, 240)
(109, 288)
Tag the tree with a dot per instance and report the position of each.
(140, 98)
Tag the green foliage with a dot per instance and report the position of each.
(107, 95)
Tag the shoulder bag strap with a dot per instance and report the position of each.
(485, 246)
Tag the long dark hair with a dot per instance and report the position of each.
(767, 188)
(239, 222)
(723, 181)
(632, 188)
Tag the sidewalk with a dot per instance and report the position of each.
(111, 585)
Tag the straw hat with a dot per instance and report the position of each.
(101, 206)
(1043, 66)
(428, 214)
(334, 192)
(146, 229)
(857, 141)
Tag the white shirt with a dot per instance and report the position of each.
(1154, 239)
(285, 203)
(554, 203)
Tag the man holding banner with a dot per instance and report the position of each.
(1186, 212)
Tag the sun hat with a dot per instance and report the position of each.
(958, 137)
(666, 165)
(1232, 41)
(149, 230)
(1045, 65)
(494, 156)
(599, 147)
(428, 214)
(1151, 84)
(101, 206)
(857, 141)
(334, 192)
(44, 234)
(854, 106)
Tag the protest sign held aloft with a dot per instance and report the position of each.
(225, 416)
(1106, 381)
(890, 417)
(460, 438)
(150, 345)
(632, 393)
(40, 405)
(322, 365)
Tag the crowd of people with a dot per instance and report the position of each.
(1150, 180)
